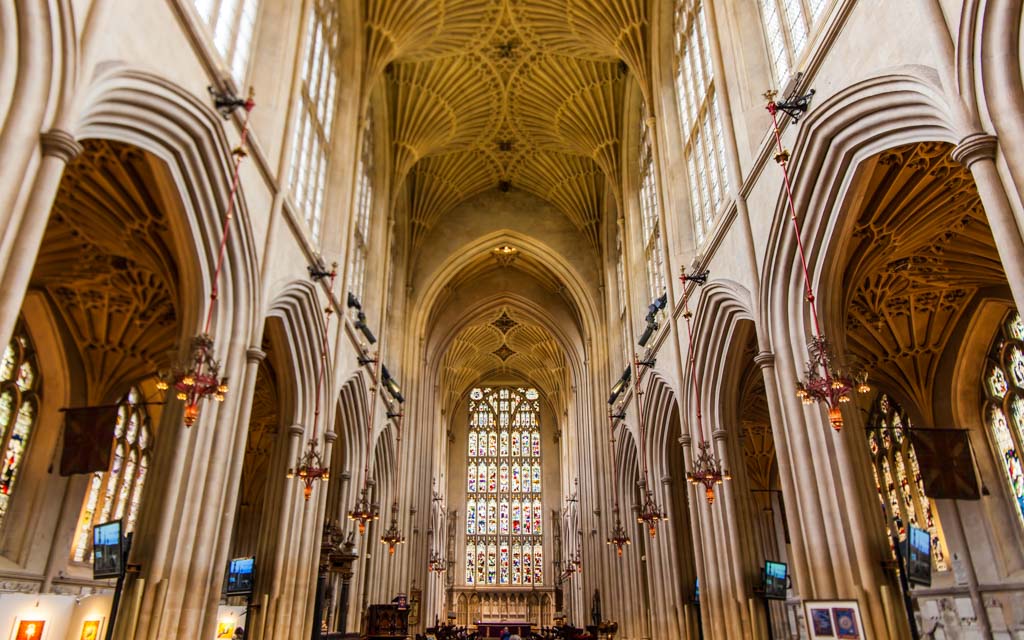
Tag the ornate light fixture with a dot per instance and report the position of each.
(827, 382)
(365, 511)
(197, 376)
(707, 467)
(393, 537)
(436, 563)
(651, 514)
(310, 466)
(618, 536)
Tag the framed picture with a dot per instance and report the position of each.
(414, 606)
(28, 630)
(225, 629)
(91, 630)
(835, 619)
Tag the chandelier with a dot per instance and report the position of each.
(650, 513)
(393, 537)
(364, 511)
(436, 563)
(707, 468)
(197, 377)
(310, 466)
(827, 381)
(619, 537)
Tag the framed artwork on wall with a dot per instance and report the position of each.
(91, 629)
(835, 619)
(28, 629)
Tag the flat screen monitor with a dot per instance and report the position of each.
(106, 550)
(696, 590)
(776, 578)
(919, 556)
(240, 576)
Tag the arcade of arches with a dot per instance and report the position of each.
(571, 267)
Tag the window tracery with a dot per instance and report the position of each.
(232, 23)
(19, 410)
(364, 205)
(699, 115)
(117, 492)
(503, 514)
(898, 477)
(650, 212)
(789, 26)
(1003, 388)
(317, 99)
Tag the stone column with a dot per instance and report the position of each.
(58, 149)
(977, 152)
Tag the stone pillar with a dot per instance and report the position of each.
(977, 152)
(58, 149)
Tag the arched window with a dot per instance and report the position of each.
(117, 492)
(1003, 410)
(898, 478)
(232, 23)
(504, 425)
(19, 409)
(620, 277)
(317, 99)
(789, 26)
(703, 147)
(364, 205)
(650, 212)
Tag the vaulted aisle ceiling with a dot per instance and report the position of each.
(506, 93)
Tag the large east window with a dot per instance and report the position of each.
(701, 121)
(650, 213)
(232, 23)
(364, 205)
(117, 492)
(789, 26)
(317, 100)
(19, 409)
(898, 477)
(1004, 405)
(504, 504)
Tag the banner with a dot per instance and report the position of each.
(88, 439)
(947, 463)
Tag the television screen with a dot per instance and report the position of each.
(776, 579)
(919, 556)
(240, 576)
(106, 550)
(696, 590)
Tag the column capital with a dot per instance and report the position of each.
(296, 430)
(330, 437)
(975, 147)
(765, 359)
(718, 435)
(255, 355)
(60, 144)
(686, 440)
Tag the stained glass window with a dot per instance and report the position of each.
(232, 23)
(317, 99)
(650, 212)
(898, 478)
(703, 145)
(19, 406)
(117, 492)
(789, 26)
(503, 515)
(363, 209)
(1004, 405)
(620, 277)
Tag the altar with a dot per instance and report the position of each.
(492, 628)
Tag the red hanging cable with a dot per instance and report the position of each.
(369, 421)
(611, 447)
(325, 346)
(693, 360)
(239, 154)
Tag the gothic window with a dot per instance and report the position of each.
(703, 146)
(19, 408)
(117, 492)
(898, 477)
(317, 99)
(503, 522)
(650, 214)
(789, 26)
(364, 205)
(620, 277)
(1003, 384)
(232, 23)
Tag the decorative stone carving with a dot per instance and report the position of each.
(60, 144)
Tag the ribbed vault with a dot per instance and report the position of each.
(506, 93)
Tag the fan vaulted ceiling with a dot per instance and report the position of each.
(506, 93)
